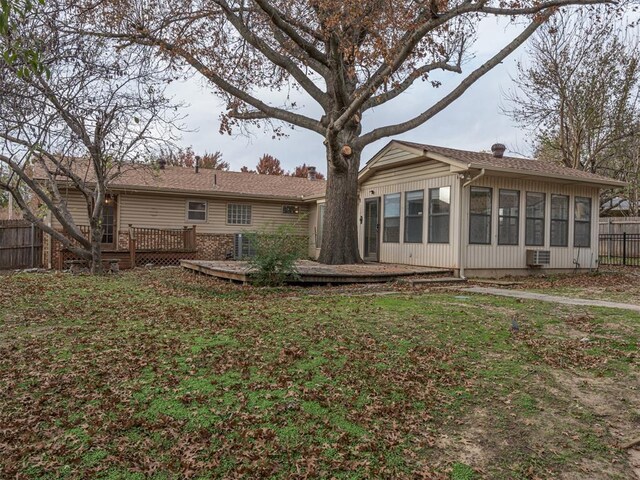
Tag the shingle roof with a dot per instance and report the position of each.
(523, 165)
(211, 182)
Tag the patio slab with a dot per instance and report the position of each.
(314, 272)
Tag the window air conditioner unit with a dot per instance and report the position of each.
(538, 258)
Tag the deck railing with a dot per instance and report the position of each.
(165, 243)
(163, 239)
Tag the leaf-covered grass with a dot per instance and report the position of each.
(164, 374)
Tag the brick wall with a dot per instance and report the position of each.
(214, 246)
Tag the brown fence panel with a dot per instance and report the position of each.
(20, 245)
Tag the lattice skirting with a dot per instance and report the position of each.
(156, 259)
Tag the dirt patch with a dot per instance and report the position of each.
(617, 411)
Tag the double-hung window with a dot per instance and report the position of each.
(413, 218)
(196, 211)
(391, 227)
(238, 214)
(559, 220)
(534, 223)
(439, 214)
(508, 217)
(480, 215)
(582, 222)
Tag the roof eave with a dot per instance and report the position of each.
(590, 181)
(201, 193)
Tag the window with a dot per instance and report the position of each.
(582, 222)
(238, 214)
(196, 211)
(413, 216)
(534, 223)
(559, 220)
(108, 220)
(320, 224)
(508, 217)
(290, 209)
(391, 233)
(480, 215)
(439, 214)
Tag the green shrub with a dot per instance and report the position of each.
(274, 254)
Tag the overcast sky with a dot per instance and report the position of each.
(473, 122)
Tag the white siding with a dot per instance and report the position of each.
(165, 211)
(496, 256)
(314, 250)
(422, 176)
(395, 155)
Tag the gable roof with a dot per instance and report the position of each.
(208, 182)
(466, 160)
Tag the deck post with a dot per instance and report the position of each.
(132, 246)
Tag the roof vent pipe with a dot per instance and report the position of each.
(498, 150)
(197, 163)
(311, 172)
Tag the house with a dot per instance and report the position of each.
(479, 214)
(180, 212)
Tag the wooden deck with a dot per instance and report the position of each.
(312, 272)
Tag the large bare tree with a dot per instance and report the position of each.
(74, 122)
(348, 57)
(578, 92)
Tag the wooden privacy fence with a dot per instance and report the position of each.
(619, 249)
(20, 245)
(615, 225)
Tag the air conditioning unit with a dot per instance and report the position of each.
(538, 258)
(242, 247)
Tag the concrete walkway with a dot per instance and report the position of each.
(501, 292)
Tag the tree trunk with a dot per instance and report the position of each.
(96, 250)
(340, 229)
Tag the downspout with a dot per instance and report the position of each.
(469, 182)
(461, 260)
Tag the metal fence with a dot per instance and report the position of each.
(619, 249)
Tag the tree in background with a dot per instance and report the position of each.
(579, 95)
(187, 158)
(302, 171)
(246, 169)
(90, 111)
(269, 165)
(347, 57)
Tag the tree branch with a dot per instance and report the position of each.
(399, 128)
(407, 82)
(275, 57)
(144, 38)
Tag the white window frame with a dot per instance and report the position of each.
(188, 210)
(439, 215)
(244, 205)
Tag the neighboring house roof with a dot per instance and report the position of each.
(466, 160)
(207, 182)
